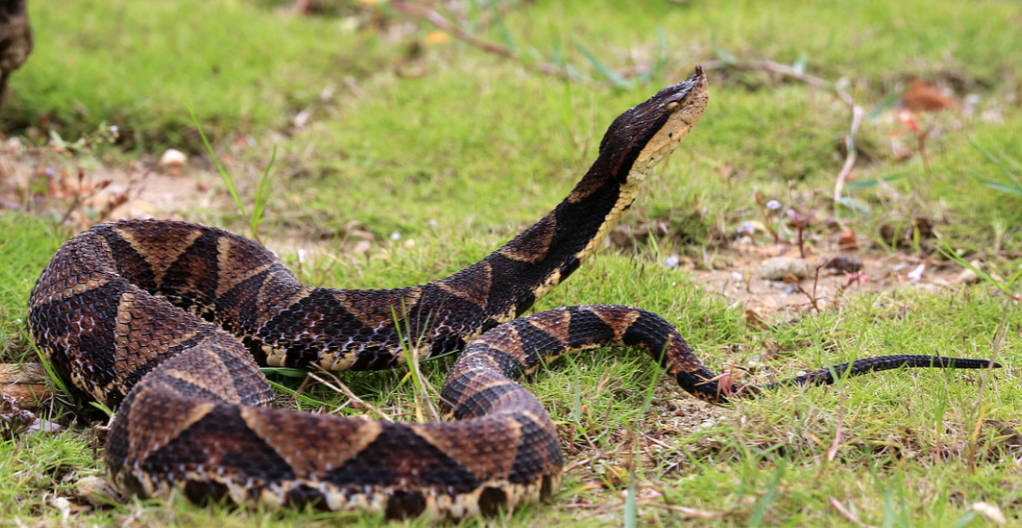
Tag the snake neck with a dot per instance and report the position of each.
(528, 267)
(511, 279)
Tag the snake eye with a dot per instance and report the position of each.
(673, 106)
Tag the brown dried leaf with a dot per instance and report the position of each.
(922, 97)
(847, 241)
(753, 319)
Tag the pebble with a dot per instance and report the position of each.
(13, 145)
(722, 263)
(172, 160)
(776, 268)
(847, 263)
(98, 491)
(967, 276)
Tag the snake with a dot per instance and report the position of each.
(169, 322)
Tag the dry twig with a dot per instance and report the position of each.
(459, 33)
(834, 503)
(343, 389)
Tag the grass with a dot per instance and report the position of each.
(907, 434)
(141, 67)
(456, 158)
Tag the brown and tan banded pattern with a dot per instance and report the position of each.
(126, 311)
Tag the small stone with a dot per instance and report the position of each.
(172, 160)
(848, 263)
(990, 512)
(13, 145)
(967, 276)
(302, 118)
(722, 263)
(361, 248)
(63, 506)
(847, 241)
(98, 491)
(776, 268)
(916, 273)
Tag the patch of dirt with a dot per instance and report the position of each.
(739, 278)
(45, 183)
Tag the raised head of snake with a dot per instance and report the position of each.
(549, 251)
(647, 133)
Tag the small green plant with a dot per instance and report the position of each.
(262, 196)
(1010, 181)
(1007, 287)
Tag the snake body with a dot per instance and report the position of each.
(167, 319)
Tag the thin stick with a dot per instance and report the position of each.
(847, 514)
(782, 69)
(343, 389)
(852, 152)
(442, 23)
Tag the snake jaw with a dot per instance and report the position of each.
(648, 132)
(682, 103)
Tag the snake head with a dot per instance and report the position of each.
(648, 132)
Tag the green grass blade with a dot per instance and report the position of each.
(859, 185)
(1014, 278)
(617, 79)
(661, 60)
(965, 520)
(305, 399)
(631, 508)
(885, 104)
(946, 250)
(1009, 160)
(102, 406)
(723, 54)
(997, 162)
(1017, 191)
(855, 205)
(284, 371)
(800, 65)
(505, 33)
(228, 180)
(768, 499)
(262, 199)
(50, 371)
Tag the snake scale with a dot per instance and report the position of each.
(169, 320)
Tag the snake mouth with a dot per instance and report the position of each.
(688, 91)
(670, 115)
(645, 134)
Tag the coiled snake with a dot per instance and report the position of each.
(122, 311)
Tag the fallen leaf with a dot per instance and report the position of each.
(922, 97)
(847, 241)
(752, 318)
